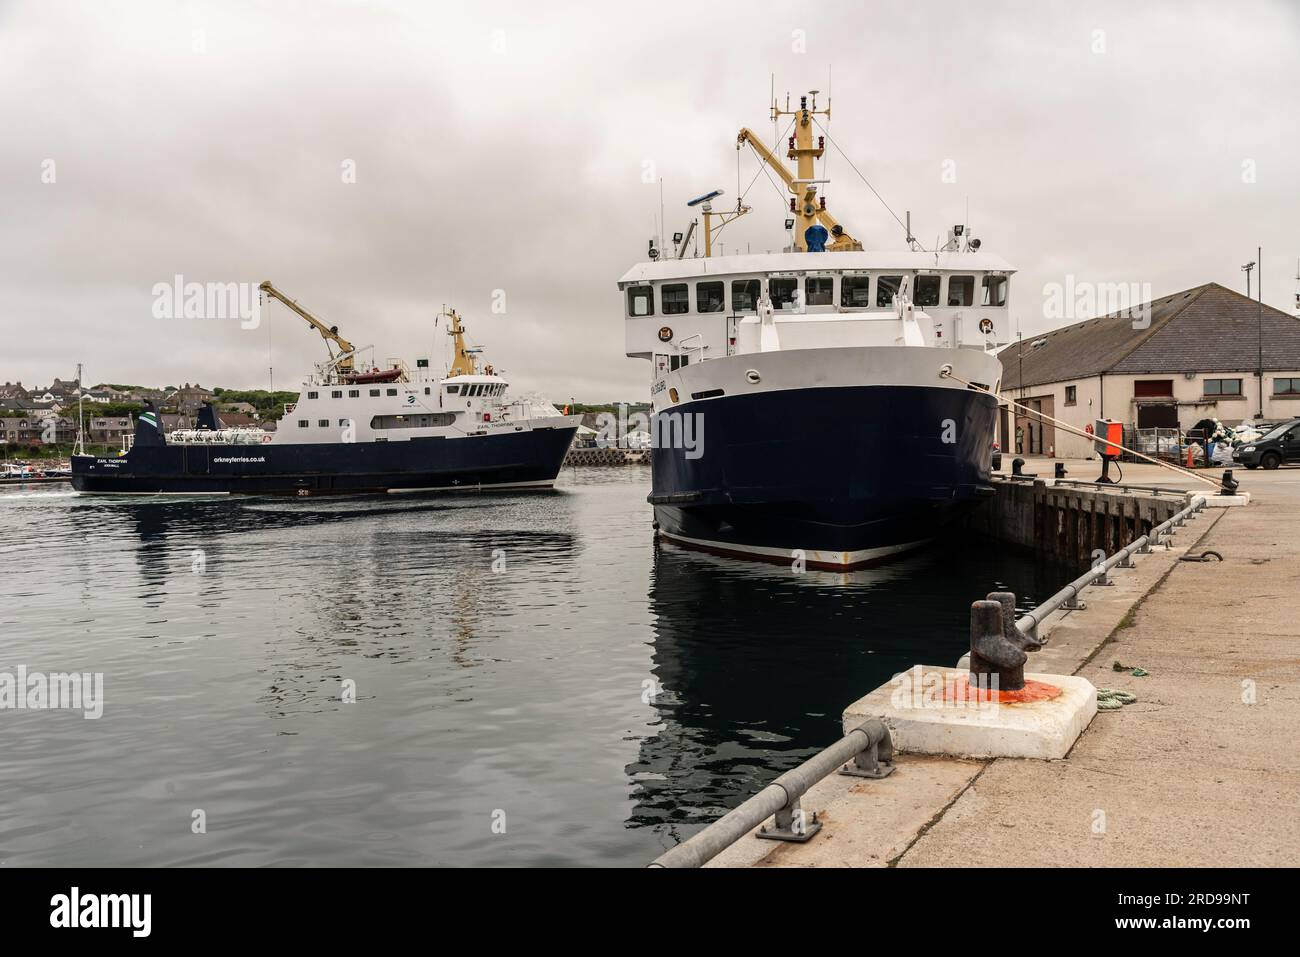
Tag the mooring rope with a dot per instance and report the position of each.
(1112, 699)
(946, 373)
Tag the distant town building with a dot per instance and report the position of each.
(108, 430)
(1169, 363)
(32, 431)
(246, 408)
(189, 398)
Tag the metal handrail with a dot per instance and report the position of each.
(865, 744)
(1068, 596)
(1118, 487)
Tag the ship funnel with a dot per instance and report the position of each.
(148, 428)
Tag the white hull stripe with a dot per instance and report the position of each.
(783, 554)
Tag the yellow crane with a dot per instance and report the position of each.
(806, 207)
(330, 334)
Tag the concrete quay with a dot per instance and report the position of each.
(1202, 770)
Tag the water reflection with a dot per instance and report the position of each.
(756, 663)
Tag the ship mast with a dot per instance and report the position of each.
(805, 205)
(463, 363)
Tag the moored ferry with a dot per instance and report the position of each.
(354, 428)
(815, 380)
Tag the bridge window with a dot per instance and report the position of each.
(433, 420)
(819, 290)
(744, 295)
(854, 292)
(708, 296)
(887, 288)
(927, 291)
(995, 291)
(961, 290)
(676, 299)
(453, 389)
(640, 301)
(782, 292)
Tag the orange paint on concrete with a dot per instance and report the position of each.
(962, 690)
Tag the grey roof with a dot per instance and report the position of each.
(1205, 329)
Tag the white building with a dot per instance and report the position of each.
(1166, 364)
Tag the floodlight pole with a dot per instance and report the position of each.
(1259, 292)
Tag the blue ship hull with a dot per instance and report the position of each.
(847, 475)
(527, 458)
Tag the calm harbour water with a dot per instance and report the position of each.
(600, 697)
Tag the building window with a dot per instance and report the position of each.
(303, 423)
(1286, 386)
(961, 290)
(354, 393)
(323, 423)
(886, 289)
(313, 395)
(819, 290)
(995, 291)
(1071, 395)
(744, 295)
(336, 394)
(855, 292)
(374, 392)
(1223, 387)
(927, 291)
(434, 420)
(640, 301)
(676, 299)
(708, 296)
(782, 292)
(392, 392)
(426, 390)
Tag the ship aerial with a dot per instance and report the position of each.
(356, 427)
(825, 390)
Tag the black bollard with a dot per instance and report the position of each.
(990, 651)
(1007, 599)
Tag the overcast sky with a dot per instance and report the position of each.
(503, 146)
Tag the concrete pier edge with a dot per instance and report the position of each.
(877, 823)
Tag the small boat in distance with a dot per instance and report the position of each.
(352, 430)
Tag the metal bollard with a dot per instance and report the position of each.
(991, 653)
(1007, 599)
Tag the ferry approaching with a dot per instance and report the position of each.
(353, 429)
(812, 379)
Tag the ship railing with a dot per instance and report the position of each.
(236, 436)
(698, 348)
